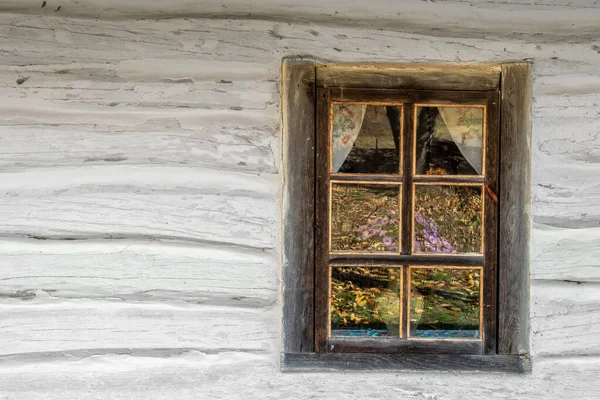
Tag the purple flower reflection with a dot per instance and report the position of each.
(427, 237)
(380, 231)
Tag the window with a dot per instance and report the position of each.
(406, 216)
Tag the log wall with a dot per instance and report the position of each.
(140, 191)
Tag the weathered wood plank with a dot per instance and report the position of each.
(137, 271)
(397, 346)
(112, 88)
(239, 375)
(159, 142)
(565, 318)
(312, 362)
(195, 204)
(62, 325)
(298, 131)
(322, 224)
(227, 49)
(553, 19)
(43, 314)
(514, 204)
(410, 76)
(565, 253)
(490, 274)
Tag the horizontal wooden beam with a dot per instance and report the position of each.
(403, 346)
(439, 76)
(307, 362)
(398, 96)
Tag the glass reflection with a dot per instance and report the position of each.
(444, 303)
(364, 217)
(449, 141)
(366, 139)
(365, 302)
(448, 219)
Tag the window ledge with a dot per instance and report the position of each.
(320, 362)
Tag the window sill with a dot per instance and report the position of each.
(316, 362)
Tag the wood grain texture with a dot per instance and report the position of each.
(490, 275)
(158, 142)
(322, 220)
(298, 130)
(238, 375)
(130, 270)
(403, 362)
(407, 347)
(45, 324)
(514, 208)
(42, 313)
(565, 318)
(195, 204)
(552, 19)
(409, 76)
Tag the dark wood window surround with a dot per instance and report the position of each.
(306, 91)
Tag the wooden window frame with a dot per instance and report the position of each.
(405, 259)
(302, 81)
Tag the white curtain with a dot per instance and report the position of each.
(465, 125)
(347, 121)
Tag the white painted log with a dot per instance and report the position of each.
(62, 325)
(565, 319)
(159, 142)
(138, 271)
(237, 375)
(153, 202)
(551, 17)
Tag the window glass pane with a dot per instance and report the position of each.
(366, 139)
(448, 219)
(445, 303)
(365, 302)
(449, 141)
(364, 217)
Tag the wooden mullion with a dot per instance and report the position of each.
(490, 281)
(407, 220)
(448, 179)
(405, 300)
(375, 178)
(407, 189)
(358, 259)
(322, 273)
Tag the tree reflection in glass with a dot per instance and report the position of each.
(365, 302)
(444, 303)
